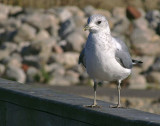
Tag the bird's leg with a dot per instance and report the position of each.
(94, 102)
(119, 96)
(95, 87)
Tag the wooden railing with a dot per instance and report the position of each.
(27, 105)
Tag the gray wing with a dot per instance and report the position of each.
(122, 54)
(82, 58)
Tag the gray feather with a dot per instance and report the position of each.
(82, 58)
(123, 55)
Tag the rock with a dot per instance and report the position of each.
(4, 10)
(63, 14)
(40, 20)
(55, 69)
(67, 27)
(153, 17)
(89, 10)
(2, 69)
(53, 30)
(75, 11)
(15, 73)
(11, 24)
(138, 24)
(45, 48)
(142, 36)
(119, 13)
(143, 13)
(137, 81)
(75, 41)
(78, 69)
(154, 77)
(25, 67)
(158, 29)
(57, 49)
(132, 12)
(41, 35)
(15, 10)
(147, 62)
(156, 65)
(4, 54)
(147, 48)
(72, 77)
(68, 59)
(10, 46)
(121, 26)
(31, 74)
(42, 46)
(59, 81)
(32, 61)
(13, 60)
(25, 33)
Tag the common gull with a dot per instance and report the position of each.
(105, 58)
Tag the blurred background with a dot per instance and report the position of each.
(40, 42)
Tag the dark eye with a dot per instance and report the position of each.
(98, 22)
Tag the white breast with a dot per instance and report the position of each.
(100, 61)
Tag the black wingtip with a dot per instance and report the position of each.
(136, 61)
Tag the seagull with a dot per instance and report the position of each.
(105, 58)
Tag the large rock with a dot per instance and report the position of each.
(2, 69)
(10, 46)
(42, 47)
(153, 17)
(75, 41)
(75, 11)
(154, 77)
(14, 59)
(25, 33)
(147, 62)
(72, 77)
(132, 12)
(11, 24)
(156, 65)
(40, 20)
(119, 12)
(41, 35)
(67, 27)
(138, 23)
(140, 36)
(15, 73)
(4, 54)
(59, 81)
(68, 59)
(63, 14)
(15, 10)
(31, 73)
(147, 48)
(55, 69)
(32, 61)
(121, 26)
(4, 10)
(137, 81)
(89, 10)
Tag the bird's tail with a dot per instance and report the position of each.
(136, 62)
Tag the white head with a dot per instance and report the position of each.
(97, 23)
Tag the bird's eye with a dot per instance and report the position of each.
(98, 22)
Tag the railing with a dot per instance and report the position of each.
(25, 105)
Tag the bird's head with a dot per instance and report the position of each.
(97, 23)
